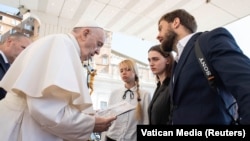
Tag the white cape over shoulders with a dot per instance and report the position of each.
(47, 93)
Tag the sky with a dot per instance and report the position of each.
(8, 9)
(131, 46)
(241, 30)
(137, 48)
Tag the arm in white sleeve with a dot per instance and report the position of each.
(56, 115)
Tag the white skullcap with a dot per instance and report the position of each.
(87, 23)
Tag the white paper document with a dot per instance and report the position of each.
(116, 109)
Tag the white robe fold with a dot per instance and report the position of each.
(47, 94)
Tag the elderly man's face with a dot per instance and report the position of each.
(95, 38)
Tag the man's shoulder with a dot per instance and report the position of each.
(219, 29)
(214, 34)
(215, 31)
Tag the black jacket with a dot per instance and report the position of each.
(3, 69)
(194, 101)
(159, 107)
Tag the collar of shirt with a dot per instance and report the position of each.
(181, 44)
(4, 57)
(131, 93)
(134, 88)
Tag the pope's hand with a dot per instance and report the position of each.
(103, 123)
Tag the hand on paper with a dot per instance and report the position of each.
(103, 123)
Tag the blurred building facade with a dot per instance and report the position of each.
(12, 23)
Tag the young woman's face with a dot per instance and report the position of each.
(127, 74)
(157, 62)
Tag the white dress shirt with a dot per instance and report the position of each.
(124, 127)
(4, 57)
(181, 44)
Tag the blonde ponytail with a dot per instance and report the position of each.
(138, 115)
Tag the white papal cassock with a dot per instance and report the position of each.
(47, 94)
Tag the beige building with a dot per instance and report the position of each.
(11, 23)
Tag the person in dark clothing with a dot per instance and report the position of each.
(194, 102)
(161, 64)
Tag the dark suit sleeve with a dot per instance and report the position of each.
(2, 93)
(231, 66)
(2, 72)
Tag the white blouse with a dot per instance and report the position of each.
(124, 127)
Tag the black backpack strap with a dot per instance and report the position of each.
(204, 65)
(211, 79)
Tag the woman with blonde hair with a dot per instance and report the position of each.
(124, 128)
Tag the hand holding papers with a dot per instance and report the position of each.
(116, 109)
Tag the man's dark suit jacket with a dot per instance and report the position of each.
(3, 68)
(194, 102)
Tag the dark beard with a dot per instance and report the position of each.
(168, 43)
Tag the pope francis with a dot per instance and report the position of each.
(47, 96)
